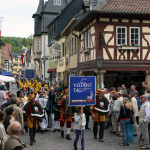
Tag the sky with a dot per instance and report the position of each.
(18, 21)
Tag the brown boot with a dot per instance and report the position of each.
(31, 142)
(34, 140)
(95, 137)
(101, 140)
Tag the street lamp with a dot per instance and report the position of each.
(99, 61)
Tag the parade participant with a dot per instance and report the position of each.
(144, 119)
(50, 105)
(87, 115)
(98, 112)
(33, 112)
(24, 89)
(22, 99)
(42, 99)
(13, 142)
(77, 127)
(58, 96)
(66, 113)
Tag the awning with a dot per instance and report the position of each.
(51, 70)
(4, 73)
(7, 79)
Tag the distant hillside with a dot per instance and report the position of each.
(17, 42)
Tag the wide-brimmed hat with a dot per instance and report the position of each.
(66, 91)
(31, 96)
(99, 91)
(58, 90)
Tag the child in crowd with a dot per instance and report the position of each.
(78, 123)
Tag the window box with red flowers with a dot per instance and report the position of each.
(133, 46)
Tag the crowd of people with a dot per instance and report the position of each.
(37, 107)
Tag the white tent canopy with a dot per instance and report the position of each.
(7, 79)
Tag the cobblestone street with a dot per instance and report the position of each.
(53, 141)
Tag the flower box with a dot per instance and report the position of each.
(129, 47)
(85, 50)
(39, 52)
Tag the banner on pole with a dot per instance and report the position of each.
(82, 91)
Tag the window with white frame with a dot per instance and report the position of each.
(89, 39)
(57, 2)
(134, 35)
(38, 45)
(85, 40)
(121, 33)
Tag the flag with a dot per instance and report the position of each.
(24, 51)
(1, 19)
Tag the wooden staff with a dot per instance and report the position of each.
(81, 119)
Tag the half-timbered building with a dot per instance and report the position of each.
(119, 31)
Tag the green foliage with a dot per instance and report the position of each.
(17, 42)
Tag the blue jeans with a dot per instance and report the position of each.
(78, 133)
(126, 131)
(131, 133)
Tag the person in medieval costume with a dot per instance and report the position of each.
(58, 96)
(42, 99)
(34, 113)
(22, 99)
(66, 113)
(98, 112)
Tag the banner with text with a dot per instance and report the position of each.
(82, 90)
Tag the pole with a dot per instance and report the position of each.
(81, 119)
(99, 78)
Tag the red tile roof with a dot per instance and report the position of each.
(128, 6)
(6, 55)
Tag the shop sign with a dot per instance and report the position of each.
(55, 50)
(61, 62)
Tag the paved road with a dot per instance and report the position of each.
(52, 141)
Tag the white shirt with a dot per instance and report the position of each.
(147, 112)
(77, 121)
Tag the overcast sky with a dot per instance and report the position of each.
(17, 15)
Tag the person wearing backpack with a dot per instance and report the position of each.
(124, 119)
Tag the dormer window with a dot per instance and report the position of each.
(57, 2)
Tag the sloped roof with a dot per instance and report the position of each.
(40, 8)
(7, 51)
(128, 6)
